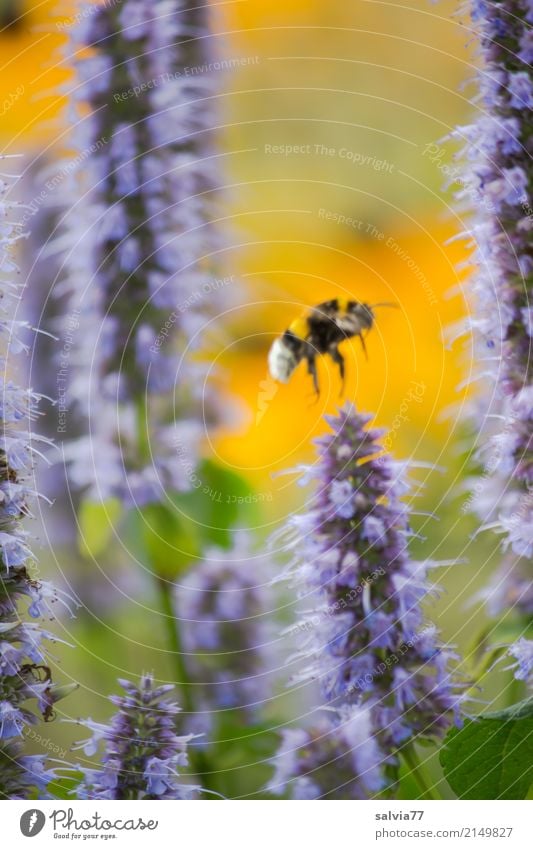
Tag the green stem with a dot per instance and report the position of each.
(412, 760)
(516, 692)
(175, 643)
(143, 434)
(197, 756)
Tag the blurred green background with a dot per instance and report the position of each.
(332, 120)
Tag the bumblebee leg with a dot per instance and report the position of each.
(361, 337)
(337, 357)
(311, 368)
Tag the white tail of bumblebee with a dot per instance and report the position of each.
(281, 361)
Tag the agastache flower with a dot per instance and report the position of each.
(509, 590)
(225, 605)
(522, 652)
(366, 641)
(337, 758)
(143, 756)
(498, 154)
(139, 242)
(26, 688)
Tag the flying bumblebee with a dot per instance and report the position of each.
(320, 330)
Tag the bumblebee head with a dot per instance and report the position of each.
(363, 313)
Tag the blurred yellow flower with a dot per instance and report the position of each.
(410, 377)
(32, 70)
(276, 102)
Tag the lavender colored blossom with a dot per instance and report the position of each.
(509, 590)
(225, 605)
(520, 90)
(498, 155)
(337, 758)
(26, 688)
(142, 751)
(139, 243)
(366, 641)
(522, 652)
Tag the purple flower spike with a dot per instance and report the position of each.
(379, 665)
(498, 153)
(522, 652)
(225, 607)
(139, 242)
(338, 758)
(24, 676)
(142, 751)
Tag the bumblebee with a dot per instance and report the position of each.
(320, 331)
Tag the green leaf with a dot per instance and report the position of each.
(170, 539)
(491, 756)
(97, 521)
(63, 788)
(243, 756)
(407, 788)
(175, 533)
(219, 500)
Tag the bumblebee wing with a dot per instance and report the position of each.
(327, 309)
(336, 311)
(348, 324)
